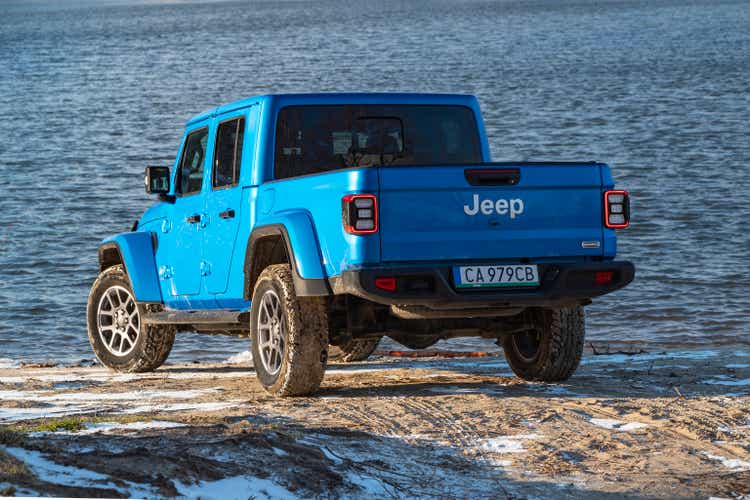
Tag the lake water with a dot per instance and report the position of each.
(660, 90)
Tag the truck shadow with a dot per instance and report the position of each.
(663, 375)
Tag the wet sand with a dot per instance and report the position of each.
(657, 424)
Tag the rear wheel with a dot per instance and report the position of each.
(289, 335)
(117, 335)
(551, 351)
(353, 350)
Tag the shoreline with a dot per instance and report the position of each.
(659, 424)
(591, 347)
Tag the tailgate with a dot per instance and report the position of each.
(488, 212)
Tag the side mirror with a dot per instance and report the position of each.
(157, 180)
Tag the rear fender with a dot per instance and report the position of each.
(296, 229)
(135, 251)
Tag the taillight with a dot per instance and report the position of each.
(604, 277)
(388, 284)
(616, 209)
(360, 213)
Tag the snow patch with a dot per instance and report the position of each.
(14, 414)
(20, 491)
(8, 363)
(452, 389)
(734, 430)
(107, 427)
(239, 487)
(52, 472)
(734, 464)
(88, 397)
(330, 456)
(181, 407)
(59, 404)
(550, 389)
(500, 463)
(507, 444)
(617, 425)
(370, 486)
(240, 358)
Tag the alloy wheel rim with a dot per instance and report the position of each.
(118, 321)
(271, 332)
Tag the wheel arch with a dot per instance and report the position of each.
(292, 241)
(135, 252)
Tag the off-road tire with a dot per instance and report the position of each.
(305, 353)
(353, 350)
(559, 340)
(154, 341)
(418, 342)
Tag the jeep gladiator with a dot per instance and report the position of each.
(316, 224)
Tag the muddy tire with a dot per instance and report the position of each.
(353, 350)
(552, 351)
(117, 335)
(418, 342)
(289, 335)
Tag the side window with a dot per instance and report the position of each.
(228, 154)
(191, 167)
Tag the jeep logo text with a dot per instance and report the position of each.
(513, 207)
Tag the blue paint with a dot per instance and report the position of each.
(422, 214)
(312, 206)
(137, 252)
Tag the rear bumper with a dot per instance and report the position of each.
(562, 284)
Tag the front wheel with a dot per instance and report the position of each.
(289, 335)
(550, 351)
(116, 332)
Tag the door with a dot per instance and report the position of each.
(222, 204)
(185, 232)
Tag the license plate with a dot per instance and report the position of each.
(496, 276)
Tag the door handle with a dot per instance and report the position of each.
(227, 214)
(193, 219)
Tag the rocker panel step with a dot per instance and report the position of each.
(203, 317)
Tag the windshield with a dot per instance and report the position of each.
(314, 139)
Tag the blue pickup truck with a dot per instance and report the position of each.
(317, 224)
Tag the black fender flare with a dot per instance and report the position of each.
(304, 287)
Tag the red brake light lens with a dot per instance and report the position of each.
(360, 213)
(616, 209)
(604, 277)
(388, 284)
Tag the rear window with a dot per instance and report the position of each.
(314, 139)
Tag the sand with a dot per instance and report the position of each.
(657, 424)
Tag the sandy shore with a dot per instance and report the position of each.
(657, 424)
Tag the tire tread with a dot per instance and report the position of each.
(158, 339)
(307, 324)
(563, 334)
(354, 350)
